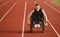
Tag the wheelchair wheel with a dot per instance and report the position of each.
(43, 29)
(42, 26)
(31, 28)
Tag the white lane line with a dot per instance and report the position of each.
(8, 11)
(53, 2)
(3, 4)
(54, 29)
(51, 7)
(24, 19)
(51, 24)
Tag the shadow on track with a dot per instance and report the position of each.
(20, 32)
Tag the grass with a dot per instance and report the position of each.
(57, 2)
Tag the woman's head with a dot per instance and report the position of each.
(37, 7)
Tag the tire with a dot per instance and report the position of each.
(42, 26)
(30, 28)
(43, 29)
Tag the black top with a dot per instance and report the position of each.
(37, 15)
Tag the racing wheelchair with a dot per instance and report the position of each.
(37, 23)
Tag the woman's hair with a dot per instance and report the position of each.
(36, 4)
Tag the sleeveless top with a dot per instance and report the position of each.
(37, 15)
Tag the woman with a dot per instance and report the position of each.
(37, 16)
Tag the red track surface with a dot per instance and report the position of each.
(12, 24)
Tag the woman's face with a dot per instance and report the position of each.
(37, 8)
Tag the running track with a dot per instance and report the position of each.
(13, 18)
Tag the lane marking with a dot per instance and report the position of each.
(24, 19)
(51, 7)
(8, 11)
(53, 2)
(50, 22)
(54, 28)
(3, 4)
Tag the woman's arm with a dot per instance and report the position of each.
(45, 18)
(29, 15)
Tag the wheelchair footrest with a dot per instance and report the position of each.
(37, 25)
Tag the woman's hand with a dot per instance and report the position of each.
(46, 22)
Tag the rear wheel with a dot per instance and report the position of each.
(42, 25)
(31, 26)
(43, 29)
(31, 29)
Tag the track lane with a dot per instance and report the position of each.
(11, 25)
(55, 17)
(14, 28)
(53, 4)
(5, 8)
(37, 32)
(54, 7)
(52, 16)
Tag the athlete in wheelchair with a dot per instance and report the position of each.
(37, 18)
